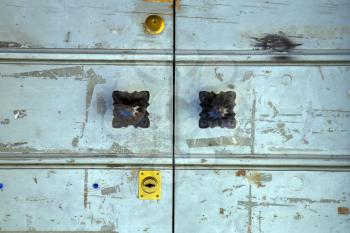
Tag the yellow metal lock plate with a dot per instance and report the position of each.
(150, 185)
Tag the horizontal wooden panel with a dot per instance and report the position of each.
(82, 24)
(279, 110)
(69, 109)
(231, 25)
(69, 200)
(262, 201)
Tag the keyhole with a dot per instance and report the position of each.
(150, 185)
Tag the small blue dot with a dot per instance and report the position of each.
(1, 185)
(95, 186)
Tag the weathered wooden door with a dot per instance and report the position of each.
(248, 115)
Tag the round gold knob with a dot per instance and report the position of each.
(154, 24)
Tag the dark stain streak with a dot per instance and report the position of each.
(86, 180)
(231, 86)
(67, 37)
(308, 200)
(275, 111)
(101, 105)
(252, 146)
(218, 75)
(15, 144)
(320, 70)
(75, 141)
(6, 44)
(93, 80)
(16, 147)
(5, 121)
(226, 190)
(260, 218)
(282, 58)
(298, 216)
(275, 42)
(250, 206)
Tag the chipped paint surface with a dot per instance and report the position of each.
(78, 99)
(271, 119)
(16, 147)
(65, 201)
(19, 113)
(119, 25)
(5, 121)
(217, 142)
(255, 178)
(231, 25)
(343, 211)
(295, 112)
(74, 71)
(9, 44)
(256, 209)
(110, 190)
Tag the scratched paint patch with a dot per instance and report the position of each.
(19, 113)
(219, 141)
(255, 178)
(110, 190)
(343, 211)
(74, 71)
(5, 121)
(16, 147)
(9, 44)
